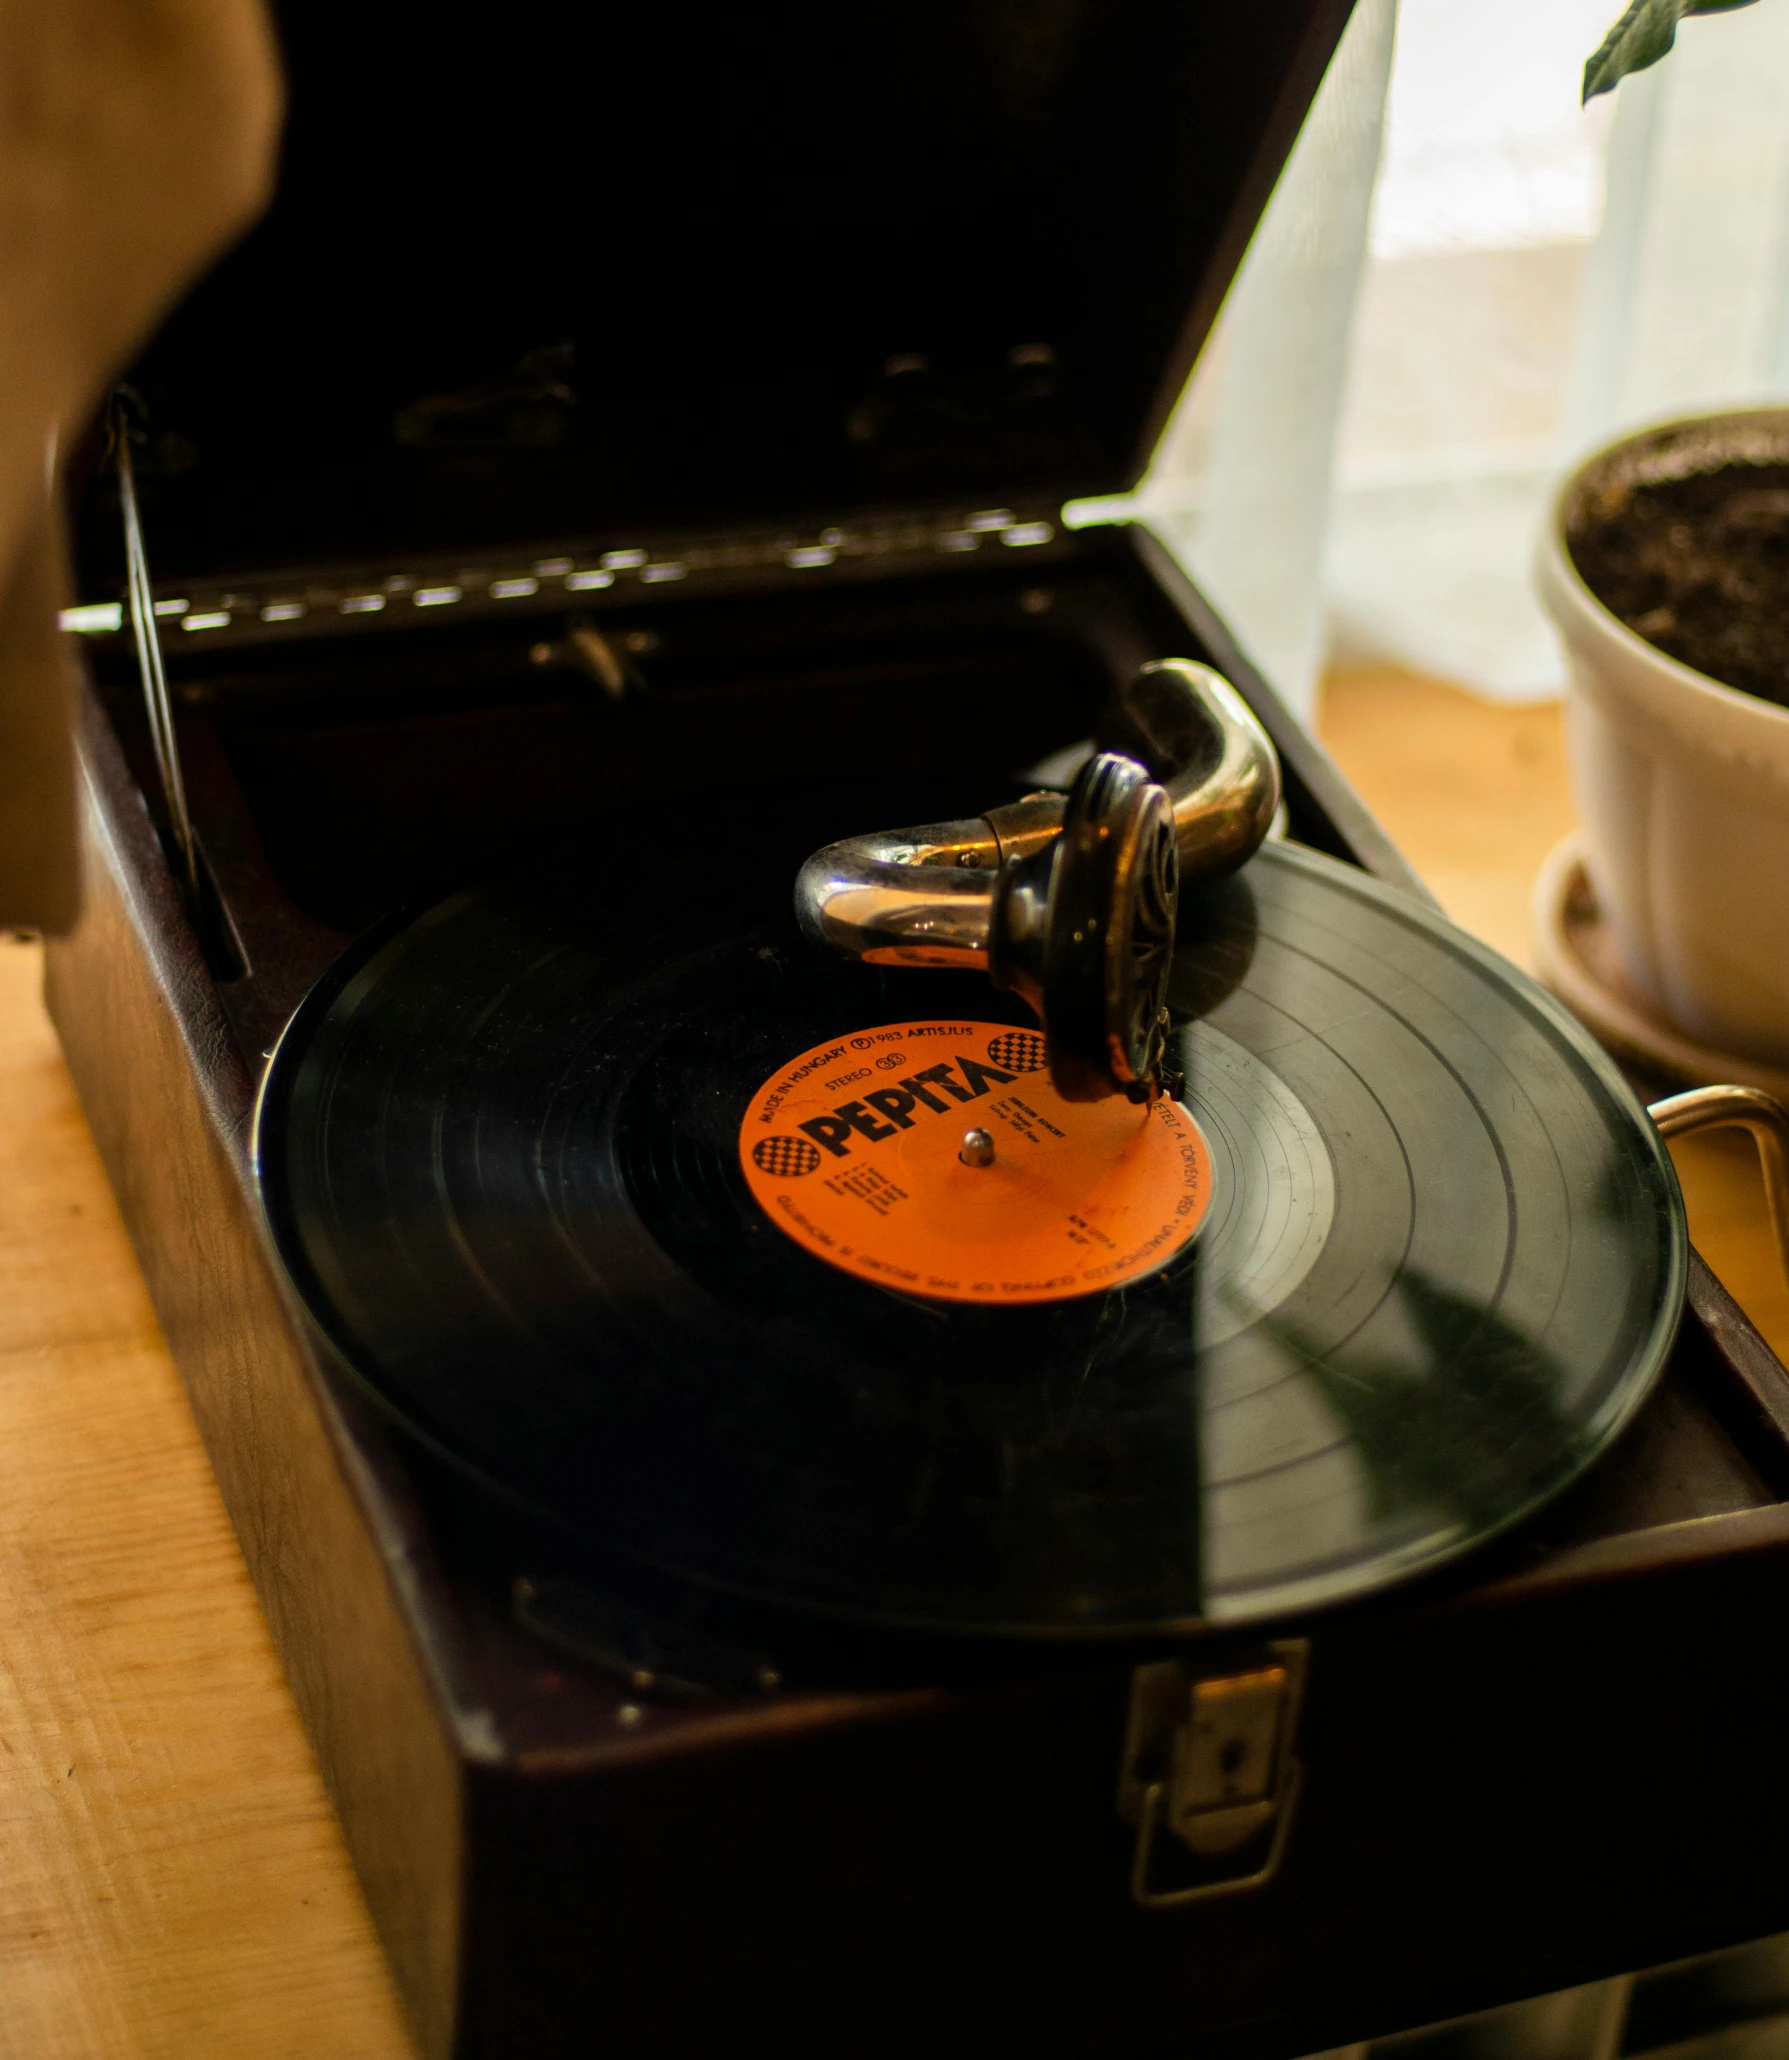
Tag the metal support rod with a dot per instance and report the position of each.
(149, 652)
(1740, 1108)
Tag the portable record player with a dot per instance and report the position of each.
(796, 1505)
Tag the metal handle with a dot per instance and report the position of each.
(1080, 924)
(1740, 1108)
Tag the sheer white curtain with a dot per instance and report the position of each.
(1686, 301)
(1453, 426)
(1521, 307)
(1240, 487)
(1364, 456)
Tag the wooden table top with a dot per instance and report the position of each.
(171, 1879)
(1475, 796)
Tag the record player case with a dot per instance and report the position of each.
(1508, 1779)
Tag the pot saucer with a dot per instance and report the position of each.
(1575, 957)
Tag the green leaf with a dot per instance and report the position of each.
(1641, 37)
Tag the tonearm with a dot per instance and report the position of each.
(1069, 901)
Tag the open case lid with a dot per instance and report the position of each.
(579, 268)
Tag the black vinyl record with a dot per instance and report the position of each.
(1442, 1260)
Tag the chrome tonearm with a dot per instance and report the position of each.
(1070, 900)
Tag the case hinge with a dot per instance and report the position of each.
(1208, 1760)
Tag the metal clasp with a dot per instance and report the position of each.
(1208, 1759)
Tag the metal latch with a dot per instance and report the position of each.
(1208, 1759)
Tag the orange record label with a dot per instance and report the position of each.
(937, 1159)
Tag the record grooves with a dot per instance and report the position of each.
(1440, 1264)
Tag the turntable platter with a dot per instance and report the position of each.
(1428, 1257)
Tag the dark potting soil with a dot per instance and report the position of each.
(1699, 567)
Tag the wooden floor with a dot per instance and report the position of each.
(171, 1880)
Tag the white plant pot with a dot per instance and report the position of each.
(1681, 784)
